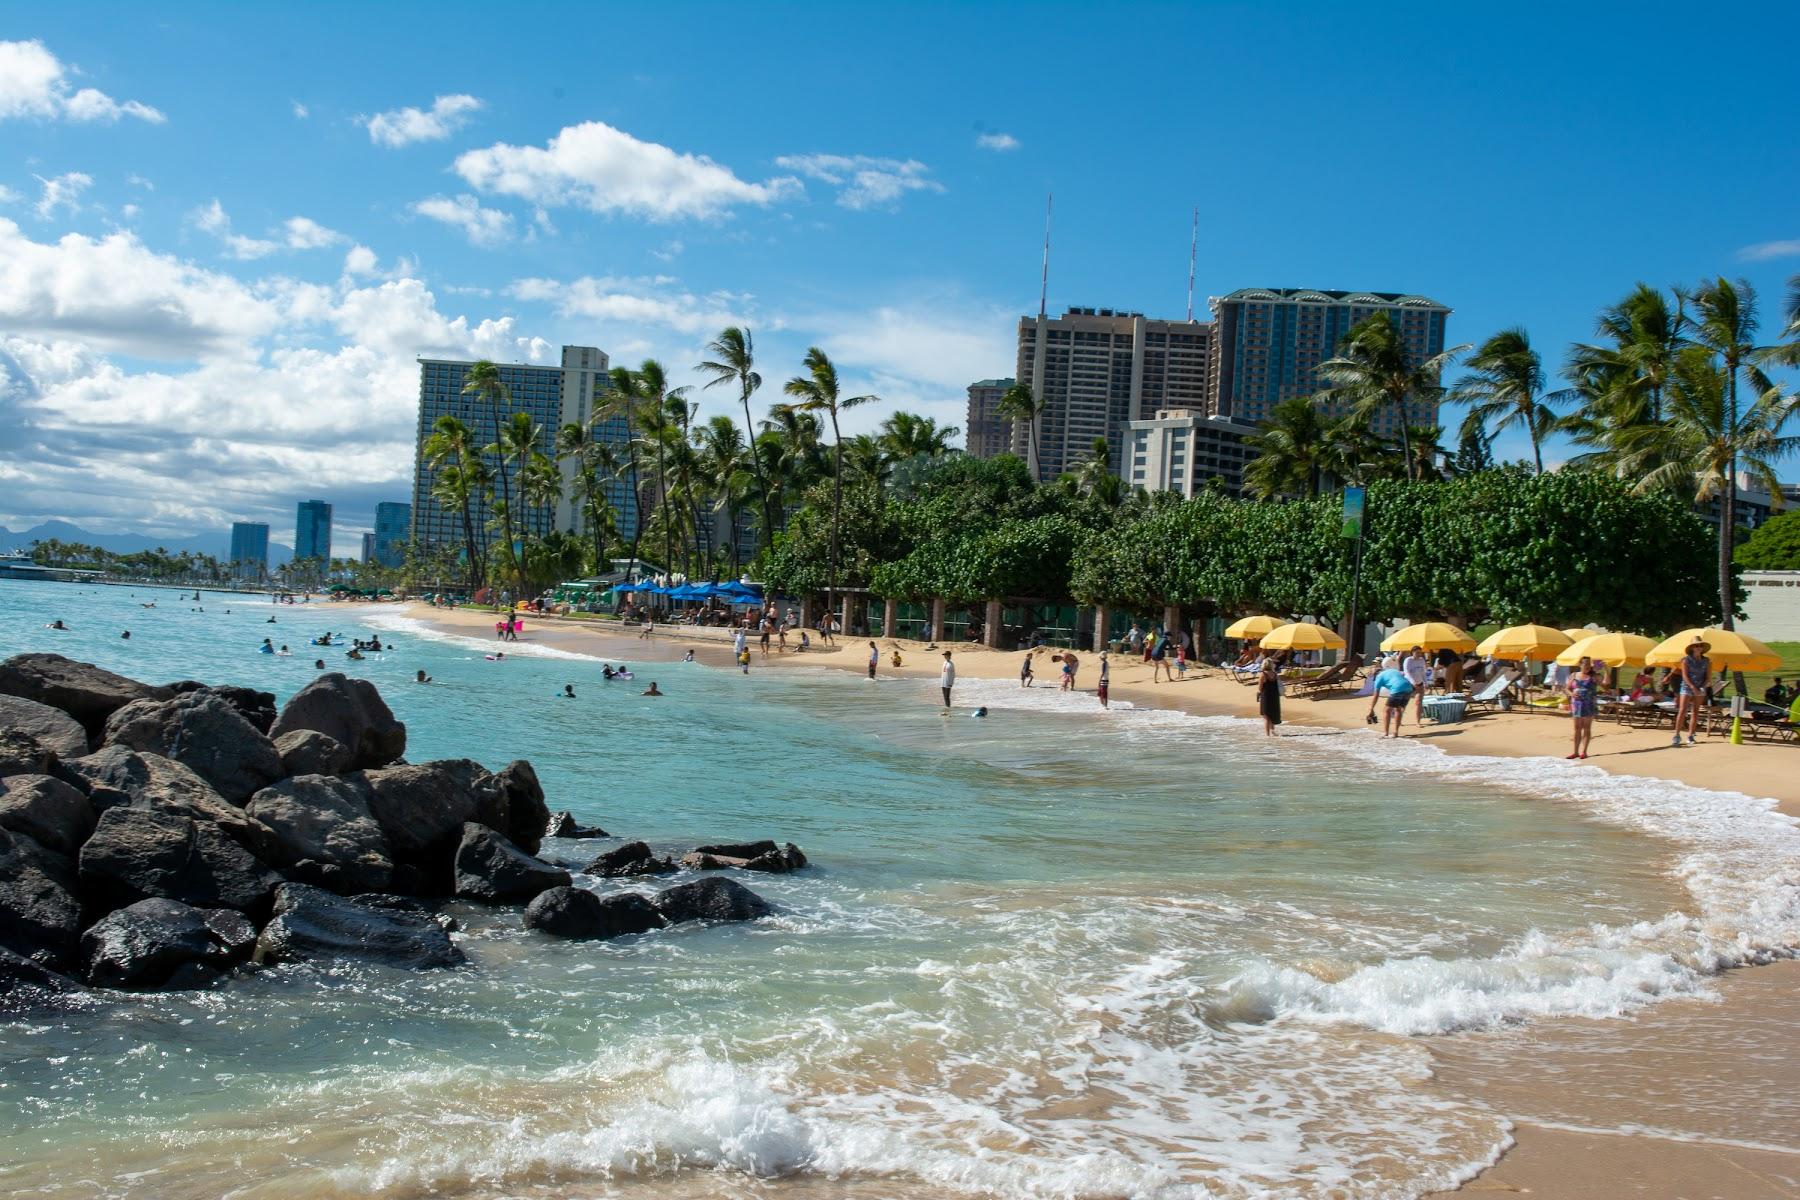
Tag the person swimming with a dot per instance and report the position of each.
(688, 657)
(284, 652)
(980, 712)
(354, 653)
(421, 677)
(568, 692)
(270, 621)
(606, 671)
(267, 647)
(56, 624)
(651, 690)
(318, 664)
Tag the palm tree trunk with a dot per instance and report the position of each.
(837, 507)
(1406, 440)
(1537, 452)
(1728, 498)
(662, 508)
(762, 477)
(592, 486)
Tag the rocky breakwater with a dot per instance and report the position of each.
(171, 836)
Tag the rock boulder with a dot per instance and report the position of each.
(25, 984)
(633, 858)
(492, 869)
(349, 710)
(256, 707)
(526, 813)
(143, 944)
(21, 754)
(564, 825)
(40, 916)
(206, 734)
(309, 752)
(52, 728)
(311, 924)
(327, 835)
(139, 853)
(711, 899)
(52, 812)
(82, 690)
(573, 912)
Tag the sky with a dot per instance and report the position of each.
(228, 231)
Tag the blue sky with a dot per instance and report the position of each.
(224, 237)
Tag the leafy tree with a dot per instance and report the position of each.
(1772, 546)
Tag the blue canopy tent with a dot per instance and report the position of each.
(688, 591)
(742, 593)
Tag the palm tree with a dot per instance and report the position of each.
(1703, 440)
(592, 457)
(1724, 324)
(907, 435)
(457, 478)
(1374, 374)
(734, 359)
(1093, 477)
(867, 458)
(790, 443)
(726, 466)
(661, 427)
(817, 391)
(625, 399)
(1293, 450)
(516, 442)
(1507, 390)
(1017, 404)
(484, 383)
(1619, 381)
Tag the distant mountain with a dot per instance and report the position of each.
(216, 544)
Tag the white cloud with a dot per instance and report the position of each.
(636, 302)
(62, 191)
(115, 294)
(8, 196)
(136, 180)
(606, 170)
(1001, 142)
(34, 83)
(129, 211)
(304, 233)
(1764, 251)
(301, 112)
(482, 226)
(400, 317)
(359, 262)
(403, 126)
(296, 233)
(670, 252)
(940, 347)
(862, 181)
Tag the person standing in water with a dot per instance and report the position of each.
(947, 679)
(1105, 679)
(874, 658)
(1025, 669)
(1268, 696)
(1584, 704)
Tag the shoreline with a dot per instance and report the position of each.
(1581, 1141)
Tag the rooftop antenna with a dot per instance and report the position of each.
(1193, 251)
(1044, 279)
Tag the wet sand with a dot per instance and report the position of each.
(1686, 1100)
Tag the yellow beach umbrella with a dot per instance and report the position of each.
(1431, 635)
(1613, 649)
(1727, 648)
(1581, 632)
(1302, 636)
(1525, 641)
(1253, 628)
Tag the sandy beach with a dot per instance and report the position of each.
(1688, 1099)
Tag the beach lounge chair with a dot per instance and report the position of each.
(1336, 678)
(1491, 691)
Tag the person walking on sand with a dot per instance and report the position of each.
(1159, 661)
(1696, 671)
(1025, 669)
(1416, 668)
(1399, 691)
(1268, 696)
(1105, 679)
(1584, 704)
(1134, 638)
(947, 679)
(874, 658)
(766, 633)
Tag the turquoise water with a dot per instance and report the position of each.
(1055, 952)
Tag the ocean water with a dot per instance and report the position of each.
(1052, 953)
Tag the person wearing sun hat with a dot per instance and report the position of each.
(1695, 674)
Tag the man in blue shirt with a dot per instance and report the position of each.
(1399, 691)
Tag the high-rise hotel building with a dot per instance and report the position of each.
(249, 549)
(1095, 370)
(554, 397)
(986, 432)
(312, 531)
(1270, 342)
